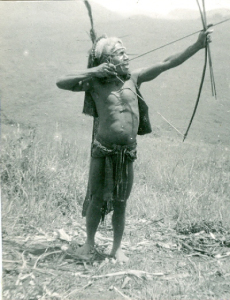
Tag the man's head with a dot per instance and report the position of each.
(110, 50)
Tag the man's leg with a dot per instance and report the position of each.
(118, 219)
(93, 214)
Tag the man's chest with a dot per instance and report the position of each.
(115, 93)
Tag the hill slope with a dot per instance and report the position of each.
(43, 40)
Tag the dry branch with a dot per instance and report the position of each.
(137, 273)
(45, 255)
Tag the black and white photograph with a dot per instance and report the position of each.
(115, 149)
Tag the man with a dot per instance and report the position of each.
(113, 90)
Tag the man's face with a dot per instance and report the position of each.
(120, 59)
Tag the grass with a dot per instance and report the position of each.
(173, 180)
(47, 174)
(180, 197)
(178, 213)
(182, 181)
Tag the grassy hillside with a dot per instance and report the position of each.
(178, 213)
(177, 227)
(43, 40)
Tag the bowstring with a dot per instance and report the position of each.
(150, 51)
(157, 111)
(177, 40)
(216, 24)
(139, 96)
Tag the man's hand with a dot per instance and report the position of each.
(204, 37)
(106, 70)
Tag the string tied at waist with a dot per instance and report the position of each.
(117, 158)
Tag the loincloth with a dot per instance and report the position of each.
(117, 158)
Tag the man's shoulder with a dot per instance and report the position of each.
(134, 76)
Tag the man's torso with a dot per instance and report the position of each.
(117, 107)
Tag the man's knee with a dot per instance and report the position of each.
(95, 204)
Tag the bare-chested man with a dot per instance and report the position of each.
(112, 87)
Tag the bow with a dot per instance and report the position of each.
(207, 57)
(93, 34)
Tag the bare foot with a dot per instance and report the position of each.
(83, 252)
(119, 255)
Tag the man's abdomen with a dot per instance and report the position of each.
(118, 116)
(120, 130)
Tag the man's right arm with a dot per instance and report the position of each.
(77, 82)
(82, 80)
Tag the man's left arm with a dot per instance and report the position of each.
(149, 73)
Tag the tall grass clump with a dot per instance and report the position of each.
(182, 182)
(43, 177)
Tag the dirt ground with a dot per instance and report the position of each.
(166, 262)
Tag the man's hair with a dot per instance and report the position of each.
(101, 50)
(92, 60)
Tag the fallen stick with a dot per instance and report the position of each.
(11, 261)
(24, 261)
(45, 255)
(186, 246)
(136, 273)
(199, 254)
(202, 251)
(44, 271)
(192, 249)
(219, 256)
